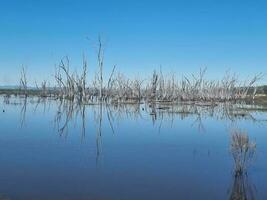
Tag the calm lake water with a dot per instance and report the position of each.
(57, 151)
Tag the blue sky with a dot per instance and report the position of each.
(180, 36)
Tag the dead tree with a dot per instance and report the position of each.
(256, 78)
(23, 81)
(100, 59)
(137, 88)
(154, 86)
(110, 83)
(81, 82)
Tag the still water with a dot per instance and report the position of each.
(58, 151)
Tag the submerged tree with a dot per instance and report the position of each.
(154, 84)
(100, 59)
(160, 88)
(23, 81)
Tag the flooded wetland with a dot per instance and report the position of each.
(57, 149)
(133, 100)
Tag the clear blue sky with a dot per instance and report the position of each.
(182, 36)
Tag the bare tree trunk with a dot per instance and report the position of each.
(100, 57)
(23, 81)
(154, 86)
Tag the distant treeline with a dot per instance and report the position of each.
(261, 89)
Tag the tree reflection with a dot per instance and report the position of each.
(99, 132)
(242, 149)
(68, 111)
(23, 111)
(242, 188)
(4, 197)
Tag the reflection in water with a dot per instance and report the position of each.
(64, 115)
(110, 119)
(67, 111)
(83, 114)
(99, 131)
(23, 112)
(46, 102)
(7, 99)
(4, 197)
(153, 112)
(243, 152)
(198, 122)
(242, 188)
(146, 155)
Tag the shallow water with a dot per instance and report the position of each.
(53, 150)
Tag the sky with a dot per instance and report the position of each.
(139, 36)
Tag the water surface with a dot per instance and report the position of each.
(60, 151)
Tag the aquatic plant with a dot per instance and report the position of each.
(242, 150)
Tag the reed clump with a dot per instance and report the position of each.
(243, 151)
